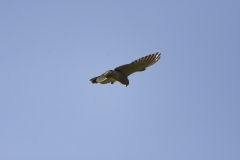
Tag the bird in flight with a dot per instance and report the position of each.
(121, 73)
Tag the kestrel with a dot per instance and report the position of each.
(121, 73)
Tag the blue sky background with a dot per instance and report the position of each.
(185, 107)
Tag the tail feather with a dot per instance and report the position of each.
(94, 80)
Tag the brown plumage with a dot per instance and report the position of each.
(121, 73)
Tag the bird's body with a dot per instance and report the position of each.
(121, 73)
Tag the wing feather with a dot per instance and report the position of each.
(139, 65)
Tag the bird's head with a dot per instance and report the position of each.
(125, 83)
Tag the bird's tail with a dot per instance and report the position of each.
(94, 80)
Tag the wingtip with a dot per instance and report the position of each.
(157, 53)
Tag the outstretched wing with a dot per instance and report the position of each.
(139, 65)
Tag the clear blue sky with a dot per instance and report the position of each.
(185, 107)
